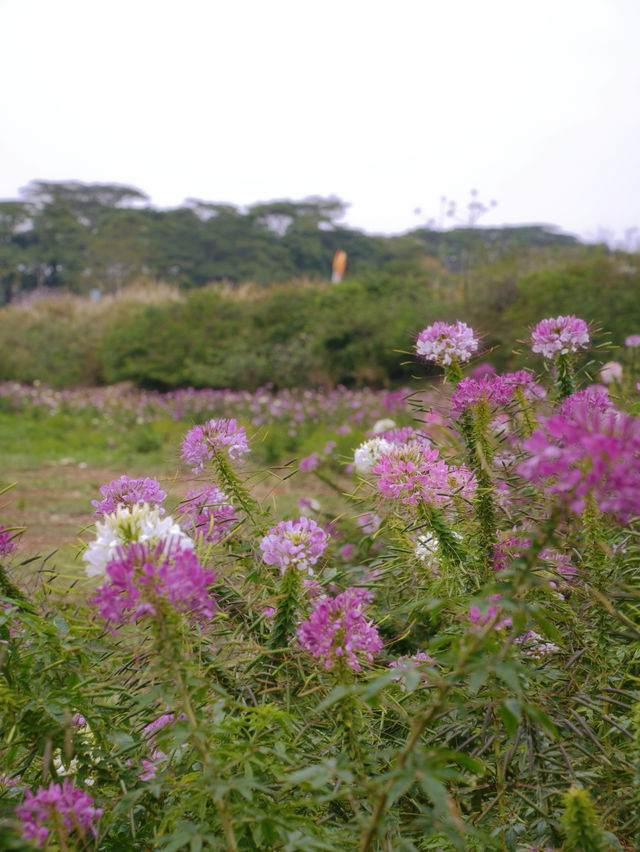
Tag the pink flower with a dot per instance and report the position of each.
(611, 372)
(593, 398)
(221, 435)
(496, 391)
(525, 381)
(127, 492)
(337, 630)
(443, 344)
(208, 512)
(309, 463)
(155, 755)
(479, 618)
(414, 473)
(144, 578)
(632, 340)
(588, 451)
(300, 543)
(7, 546)
(410, 663)
(73, 809)
(559, 336)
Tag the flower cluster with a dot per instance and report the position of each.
(128, 492)
(443, 344)
(411, 663)
(224, 436)
(208, 513)
(137, 523)
(59, 804)
(593, 398)
(533, 645)
(632, 340)
(559, 336)
(155, 755)
(496, 391)
(525, 381)
(368, 454)
(300, 543)
(7, 545)
(413, 473)
(142, 579)
(337, 630)
(590, 452)
(479, 618)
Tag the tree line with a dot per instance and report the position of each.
(101, 237)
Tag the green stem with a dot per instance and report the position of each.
(564, 376)
(284, 619)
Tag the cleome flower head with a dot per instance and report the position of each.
(143, 578)
(208, 512)
(587, 451)
(443, 344)
(7, 545)
(337, 630)
(128, 492)
(217, 435)
(137, 523)
(413, 472)
(71, 808)
(369, 454)
(300, 543)
(496, 391)
(559, 336)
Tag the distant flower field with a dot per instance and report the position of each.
(448, 661)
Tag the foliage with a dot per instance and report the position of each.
(500, 713)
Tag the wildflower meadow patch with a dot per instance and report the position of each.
(448, 661)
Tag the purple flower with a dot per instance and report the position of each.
(444, 344)
(593, 398)
(309, 463)
(559, 336)
(72, 808)
(155, 755)
(479, 618)
(632, 340)
(7, 546)
(144, 578)
(338, 631)
(128, 492)
(410, 663)
(208, 513)
(525, 381)
(496, 391)
(414, 473)
(587, 451)
(300, 543)
(221, 435)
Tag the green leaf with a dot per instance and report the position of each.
(61, 625)
(511, 714)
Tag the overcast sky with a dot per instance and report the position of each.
(389, 105)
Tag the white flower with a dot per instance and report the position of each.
(369, 454)
(427, 549)
(128, 524)
(384, 425)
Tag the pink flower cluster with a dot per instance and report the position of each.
(208, 513)
(496, 391)
(559, 336)
(479, 618)
(300, 543)
(128, 492)
(524, 380)
(7, 546)
(593, 398)
(155, 755)
(588, 451)
(632, 340)
(414, 473)
(337, 630)
(143, 578)
(410, 663)
(219, 435)
(443, 344)
(65, 804)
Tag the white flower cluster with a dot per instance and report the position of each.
(369, 454)
(140, 523)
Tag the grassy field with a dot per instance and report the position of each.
(53, 466)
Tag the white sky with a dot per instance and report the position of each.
(389, 105)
